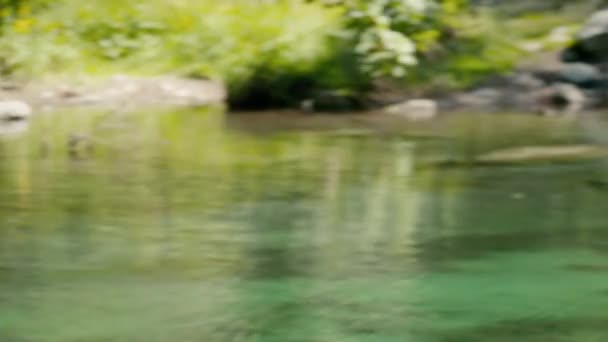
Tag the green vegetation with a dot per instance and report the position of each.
(269, 53)
(279, 43)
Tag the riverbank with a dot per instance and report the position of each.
(118, 92)
(545, 85)
(291, 59)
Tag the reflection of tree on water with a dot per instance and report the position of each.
(277, 259)
(355, 224)
(15, 202)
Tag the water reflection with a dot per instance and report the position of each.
(173, 226)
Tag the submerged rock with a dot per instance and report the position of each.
(543, 154)
(530, 155)
(13, 110)
(415, 110)
(79, 145)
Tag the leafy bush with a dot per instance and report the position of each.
(388, 35)
(216, 39)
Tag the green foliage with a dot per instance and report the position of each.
(198, 37)
(389, 35)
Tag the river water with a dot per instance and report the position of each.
(201, 226)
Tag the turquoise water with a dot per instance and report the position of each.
(197, 226)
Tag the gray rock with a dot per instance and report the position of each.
(559, 99)
(581, 74)
(591, 42)
(596, 25)
(482, 98)
(487, 94)
(414, 110)
(307, 106)
(335, 100)
(527, 81)
(13, 110)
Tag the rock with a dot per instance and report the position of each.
(596, 25)
(307, 106)
(13, 110)
(591, 42)
(581, 74)
(480, 98)
(335, 100)
(67, 92)
(8, 86)
(560, 98)
(527, 81)
(60, 93)
(486, 94)
(528, 154)
(415, 110)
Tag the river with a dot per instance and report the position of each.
(201, 226)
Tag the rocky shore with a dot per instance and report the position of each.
(563, 82)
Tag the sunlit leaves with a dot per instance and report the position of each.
(384, 51)
(388, 34)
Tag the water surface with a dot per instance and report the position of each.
(196, 226)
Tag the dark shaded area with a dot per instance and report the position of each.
(587, 268)
(531, 330)
(335, 83)
(577, 53)
(479, 245)
(597, 184)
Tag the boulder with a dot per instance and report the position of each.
(526, 81)
(558, 99)
(13, 110)
(480, 99)
(414, 110)
(591, 42)
(581, 74)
